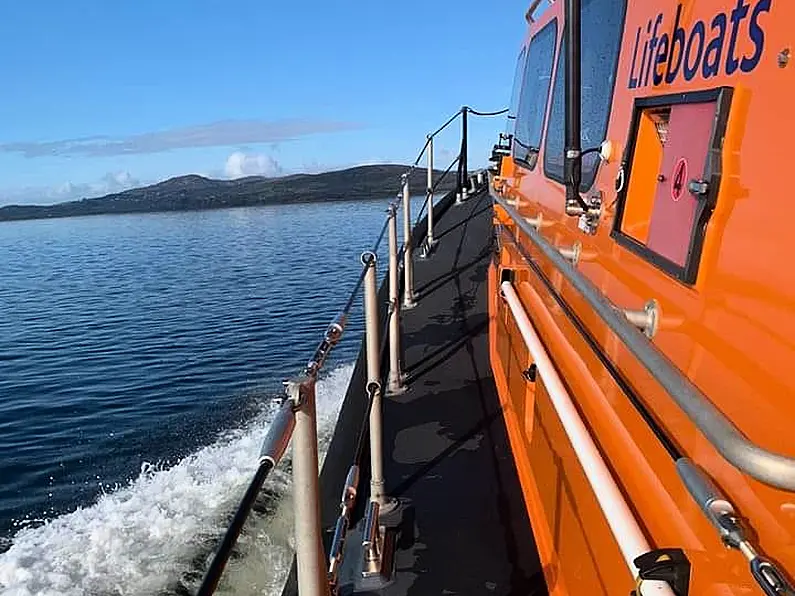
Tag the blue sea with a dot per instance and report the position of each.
(139, 360)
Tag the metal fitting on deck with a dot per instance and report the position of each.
(347, 503)
(369, 258)
(373, 389)
(571, 254)
(721, 513)
(297, 390)
(372, 541)
(537, 222)
(646, 320)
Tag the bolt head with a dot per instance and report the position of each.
(783, 58)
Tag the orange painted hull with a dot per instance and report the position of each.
(731, 330)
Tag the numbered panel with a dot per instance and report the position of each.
(670, 178)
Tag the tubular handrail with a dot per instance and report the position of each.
(487, 114)
(276, 441)
(436, 184)
(301, 396)
(622, 523)
(771, 468)
(214, 572)
(281, 429)
(273, 448)
(461, 112)
(429, 138)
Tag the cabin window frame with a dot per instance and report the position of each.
(713, 173)
(527, 164)
(516, 92)
(589, 178)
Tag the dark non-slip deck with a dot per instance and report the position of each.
(446, 448)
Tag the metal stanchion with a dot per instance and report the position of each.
(373, 345)
(372, 542)
(347, 503)
(306, 492)
(395, 384)
(408, 265)
(463, 187)
(427, 247)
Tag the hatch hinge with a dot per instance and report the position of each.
(698, 187)
(665, 564)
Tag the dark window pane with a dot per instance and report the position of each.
(602, 26)
(535, 90)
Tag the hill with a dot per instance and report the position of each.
(191, 193)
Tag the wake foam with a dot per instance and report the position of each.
(159, 531)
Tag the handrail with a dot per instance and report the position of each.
(297, 415)
(277, 439)
(463, 113)
(439, 180)
(495, 113)
(620, 519)
(721, 513)
(284, 423)
(273, 449)
(772, 468)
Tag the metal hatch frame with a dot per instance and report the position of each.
(713, 172)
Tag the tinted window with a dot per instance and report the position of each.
(602, 25)
(535, 89)
(517, 84)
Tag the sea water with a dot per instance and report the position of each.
(140, 359)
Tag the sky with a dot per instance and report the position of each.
(98, 96)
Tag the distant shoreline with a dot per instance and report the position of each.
(196, 193)
(368, 199)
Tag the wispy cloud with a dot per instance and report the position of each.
(216, 134)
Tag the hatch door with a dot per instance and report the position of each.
(670, 176)
(683, 159)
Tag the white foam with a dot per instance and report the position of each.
(142, 538)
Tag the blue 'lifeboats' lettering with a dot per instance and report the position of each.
(700, 51)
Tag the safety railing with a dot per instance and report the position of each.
(629, 326)
(296, 418)
(771, 468)
(620, 519)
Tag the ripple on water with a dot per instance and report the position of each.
(140, 538)
(151, 338)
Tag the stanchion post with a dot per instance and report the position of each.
(463, 179)
(306, 492)
(408, 264)
(395, 385)
(429, 240)
(373, 344)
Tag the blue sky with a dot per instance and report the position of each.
(98, 96)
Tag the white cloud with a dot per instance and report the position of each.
(109, 183)
(119, 181)
(239, 165)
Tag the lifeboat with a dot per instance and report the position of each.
(575, 377)
(641, 312)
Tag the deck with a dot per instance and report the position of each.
(446, 448)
